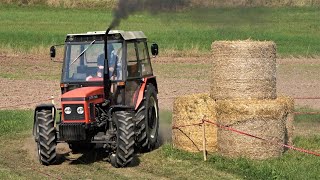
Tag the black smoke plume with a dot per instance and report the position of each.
(127, 7)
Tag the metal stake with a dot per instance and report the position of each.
(204, 141)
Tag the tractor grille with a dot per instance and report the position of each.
(72, 132)
(74, 114)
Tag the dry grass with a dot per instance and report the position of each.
(192, 52)
(66, 3)
(192, 3)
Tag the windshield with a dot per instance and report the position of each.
(85, 62)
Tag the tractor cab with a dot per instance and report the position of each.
(120, 72)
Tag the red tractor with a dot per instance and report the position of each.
(109, 98)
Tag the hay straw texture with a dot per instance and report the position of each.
(263, 118)
(243, 70)
(189, 110)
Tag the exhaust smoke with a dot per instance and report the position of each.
(127, 7)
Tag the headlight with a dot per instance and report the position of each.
(67, 110)
(80, 110)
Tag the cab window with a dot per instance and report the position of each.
(144, 58)
(132, 61)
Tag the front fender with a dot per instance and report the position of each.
(39, 108)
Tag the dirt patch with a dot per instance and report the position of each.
(306, 129)
(31, 147)
(26, 94)
(299, 78)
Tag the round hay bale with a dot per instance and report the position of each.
(191, 110)
(243, 70)
(262, 118)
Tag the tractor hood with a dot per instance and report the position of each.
(83, 94)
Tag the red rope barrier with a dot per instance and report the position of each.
(250, 135)
(247, 134)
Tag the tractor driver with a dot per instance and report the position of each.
(99, 73)
(113, 64)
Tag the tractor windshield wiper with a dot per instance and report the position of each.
(83, 51)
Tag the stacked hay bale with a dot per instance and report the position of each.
(191, 110)
(242, 96)
(244, 86)
(243, 70)
(263, 118)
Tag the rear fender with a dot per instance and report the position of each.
(39, 108)
(150, 80)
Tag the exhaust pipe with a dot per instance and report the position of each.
(106, 79)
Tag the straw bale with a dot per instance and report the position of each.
(243, 70)
(192, 109)
(263, 118)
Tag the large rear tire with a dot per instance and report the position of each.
(125, 140)
(46, 135)
(147, 121)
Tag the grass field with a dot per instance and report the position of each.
(295, 30)
(166, 162)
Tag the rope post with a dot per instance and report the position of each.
(52, 99)
(204, 140)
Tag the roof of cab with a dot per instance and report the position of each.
(126, 35)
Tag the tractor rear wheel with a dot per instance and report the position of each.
(147, 121)
(125, 139)
(46, 135)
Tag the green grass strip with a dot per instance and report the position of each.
(295, 30)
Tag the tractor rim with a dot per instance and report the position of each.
(152, 117)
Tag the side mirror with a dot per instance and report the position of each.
(53, 52)
(154, 49)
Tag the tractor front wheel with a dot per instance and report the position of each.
(125, 139)
(46, 135)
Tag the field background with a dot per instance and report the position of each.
(28, 77)
(296, 31)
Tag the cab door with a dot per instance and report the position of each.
(137, 67)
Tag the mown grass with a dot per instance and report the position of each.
(165, 162)
(293, 165)
(307, 118)
(15, 122)
(295, 30)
